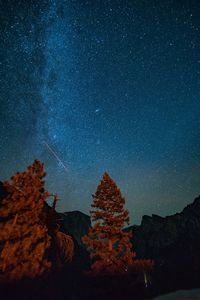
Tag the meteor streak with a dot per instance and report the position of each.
(56, 156)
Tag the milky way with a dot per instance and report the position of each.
(110, 86)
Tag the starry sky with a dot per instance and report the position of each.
(95, 86)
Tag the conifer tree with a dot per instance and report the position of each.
(24, 238)
(110, 247)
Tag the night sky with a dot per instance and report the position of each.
(109, 86)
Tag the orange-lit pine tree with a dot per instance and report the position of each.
(24, 238)
(110, 247)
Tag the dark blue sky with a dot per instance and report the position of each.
(109, 86)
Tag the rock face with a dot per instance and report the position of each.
(75, 223)
(173, 243)
(157, 235)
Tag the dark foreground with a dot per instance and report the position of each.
(71, 285)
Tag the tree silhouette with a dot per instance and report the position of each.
(110, 247)
(24, 238)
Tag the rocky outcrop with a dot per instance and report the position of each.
(156, 235)
(75, 223)
(173, 243)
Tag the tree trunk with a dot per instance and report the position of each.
(109, 245)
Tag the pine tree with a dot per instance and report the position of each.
(110, 247)
(24, 238)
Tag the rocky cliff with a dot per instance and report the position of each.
(75, 223)
(156, 236)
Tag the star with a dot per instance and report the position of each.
(108, 87)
